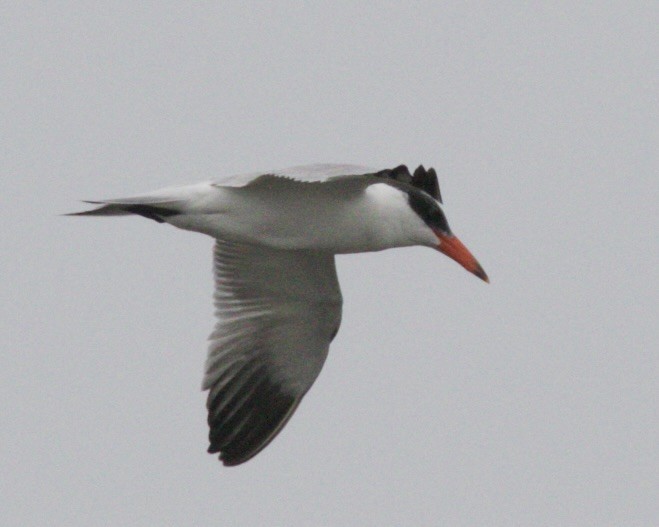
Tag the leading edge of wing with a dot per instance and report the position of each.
(317, 173)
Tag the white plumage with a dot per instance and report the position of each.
(277, 295)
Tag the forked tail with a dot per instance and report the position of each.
(156, 209)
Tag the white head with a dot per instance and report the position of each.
(420, 214)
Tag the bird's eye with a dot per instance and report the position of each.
(440, 221)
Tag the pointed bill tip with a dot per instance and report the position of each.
(453, 248)
(480, 273)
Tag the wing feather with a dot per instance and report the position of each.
(305, 173)
(278, 311)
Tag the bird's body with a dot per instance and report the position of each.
(303, 208)
(277, 295)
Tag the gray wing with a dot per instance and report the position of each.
(278, 312)
(306, 173)
(422, 179)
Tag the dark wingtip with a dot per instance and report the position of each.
(401, 173)
(232, 462)
(427, 181)
(432, 176)
(243, 424)
(419, 172)
(401, 170)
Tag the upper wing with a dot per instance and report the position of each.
(422, 179)
(278, 312)
(306, 173)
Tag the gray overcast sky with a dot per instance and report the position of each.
(532, 401)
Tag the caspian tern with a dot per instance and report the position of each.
(277, 295)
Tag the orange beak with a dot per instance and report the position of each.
(453, 248)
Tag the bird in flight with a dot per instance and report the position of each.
(277, 295)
